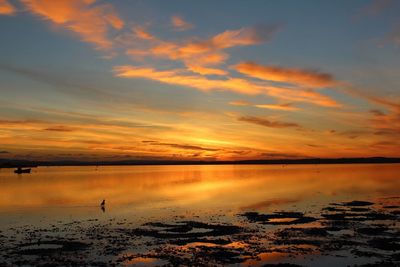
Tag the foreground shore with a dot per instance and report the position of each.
(352, 233)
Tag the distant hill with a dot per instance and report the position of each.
(13, 163)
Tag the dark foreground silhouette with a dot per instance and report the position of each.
(19, 170)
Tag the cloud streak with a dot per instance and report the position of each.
(142, 33)
(299, 77)
(239, 103)
(90, 21)
(386, 124)
(60, 128)
(58, 82)
(181, 146)
(268, 123)
(237, 85)
(282, 107)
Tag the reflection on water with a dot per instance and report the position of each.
(230, 213)
(51, 191)
(205, 187)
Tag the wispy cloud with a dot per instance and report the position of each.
(18, 122)
(6, 8)
(142, 33)
(280, 155)
(268, 123)
(386, 124)
(92, 22)
(282, 107)
(300, 77)
(381, 123)
(240, 103)
(58, 82)
(200, 55)
(78, 124)
(237, 85)
(179, 77)
(205, 70)
(179, 24)
(210, 50)
(285, 107)
(181, 146)
(391, 104)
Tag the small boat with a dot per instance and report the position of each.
(20, 170)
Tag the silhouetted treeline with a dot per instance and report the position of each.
(4, 163)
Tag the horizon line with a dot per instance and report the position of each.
(12, 163)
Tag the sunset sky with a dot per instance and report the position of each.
(206, 80)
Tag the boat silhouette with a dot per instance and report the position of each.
(20, 170)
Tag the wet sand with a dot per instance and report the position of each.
(355, 233)
(201, 216)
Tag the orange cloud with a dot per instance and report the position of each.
(300, 95)
(239, 103)
(6, 8)
(227, 39)
(180, 24)
(142, 33)
(199, 54)
(194, 81)
(386, 124)
(236, 85)
(307, 78)
(200, 63)
(243, 36)
(192, 54)
(286, 107)
(205, 70)
(181, 146)
(90, 22)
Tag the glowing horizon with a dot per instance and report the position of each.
(117, 80)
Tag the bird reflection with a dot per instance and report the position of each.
(103, 205)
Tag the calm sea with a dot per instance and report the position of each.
(54, 193)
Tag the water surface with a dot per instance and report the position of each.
(211, 194)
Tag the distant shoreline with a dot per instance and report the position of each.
(7, 163)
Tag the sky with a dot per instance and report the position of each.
(199, 80)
